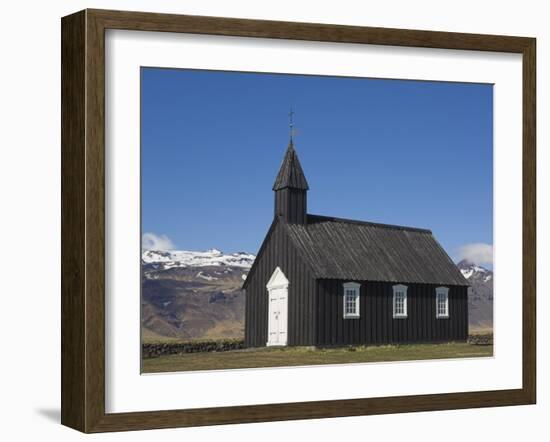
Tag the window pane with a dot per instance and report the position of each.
(399, 303)
(351, 300)
(442, 304)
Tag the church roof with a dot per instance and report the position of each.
(337, 248)
(291, 174)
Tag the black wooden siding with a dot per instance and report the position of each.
(279, 251)
(376, 324)
(291, 204)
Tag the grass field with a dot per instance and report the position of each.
(293, 356)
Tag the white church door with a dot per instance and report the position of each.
(277, 290)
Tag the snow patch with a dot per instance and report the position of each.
(470, 269)
(168, 259)
(204, 276)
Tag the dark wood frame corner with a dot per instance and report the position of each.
(83, 217)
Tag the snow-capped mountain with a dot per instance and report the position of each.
(474, 271)
(167, 259)
(190, 295)
(480, 295)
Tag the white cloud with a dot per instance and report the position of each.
(151, 241)
(478, 253)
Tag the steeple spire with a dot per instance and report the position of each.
(291, 186)
(291, 174)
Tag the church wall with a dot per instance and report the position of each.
(376, 324)
(279, 252)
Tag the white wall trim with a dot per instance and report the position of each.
(278, 280)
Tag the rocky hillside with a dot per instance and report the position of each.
(193, 295)
(480, 298)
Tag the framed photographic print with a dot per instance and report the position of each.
(270, 220)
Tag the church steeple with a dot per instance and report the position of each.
(291, 174)
(291, 188)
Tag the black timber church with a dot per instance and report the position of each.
(324, 281)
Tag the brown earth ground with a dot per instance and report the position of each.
(299, 356)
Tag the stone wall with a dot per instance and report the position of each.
(154, 350)
(163, 349)
(486, 339)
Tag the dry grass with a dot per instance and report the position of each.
(295, 356)
(481, 330)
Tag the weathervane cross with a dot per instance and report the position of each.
(291, 122)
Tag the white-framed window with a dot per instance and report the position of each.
(399, 301)
(442, 302)
(351, 299)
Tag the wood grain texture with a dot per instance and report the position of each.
(95, 221)
(529, 221)
(145, 21)
(73, 350)
(83, 218)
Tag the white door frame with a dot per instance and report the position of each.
(277, 322)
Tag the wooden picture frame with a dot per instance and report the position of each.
(83, 220)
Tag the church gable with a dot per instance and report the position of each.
(261, 252)
(279, 246)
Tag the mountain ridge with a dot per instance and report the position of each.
(480, 295)
(187, 258)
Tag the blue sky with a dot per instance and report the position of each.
(414, 153)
